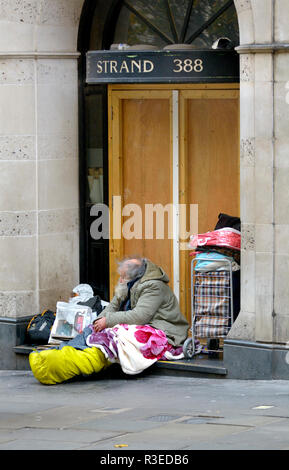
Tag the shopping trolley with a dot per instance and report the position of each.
(211, 306)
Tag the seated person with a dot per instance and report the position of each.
(142, 297)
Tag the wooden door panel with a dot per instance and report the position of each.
(212, 158)
(209, 164)
(146, 170)
(140, 170)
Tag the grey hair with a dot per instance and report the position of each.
(133, 270)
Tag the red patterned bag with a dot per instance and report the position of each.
(224, 237)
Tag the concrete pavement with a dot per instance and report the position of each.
(147, 412)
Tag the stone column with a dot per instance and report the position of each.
(39, 232)
(263, 324)
(281, 173)
(18, 201)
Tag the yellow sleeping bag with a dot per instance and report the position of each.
(54, 366)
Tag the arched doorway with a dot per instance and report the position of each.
(201, 113)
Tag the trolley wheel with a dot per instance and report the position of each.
(189, 348)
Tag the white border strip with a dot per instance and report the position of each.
(39, 55)
(176, 263)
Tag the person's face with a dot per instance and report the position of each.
(123, 276)
(121, 287)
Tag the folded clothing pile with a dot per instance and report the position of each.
(214, 249)
(216, 253)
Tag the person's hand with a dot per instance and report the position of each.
(99, 325)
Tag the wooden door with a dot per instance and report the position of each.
(209, 162)
(139, 172)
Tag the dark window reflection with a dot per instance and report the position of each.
(162, 22)
(94, 148)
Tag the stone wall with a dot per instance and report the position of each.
(39, 228)
(264, 124)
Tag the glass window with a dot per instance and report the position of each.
(94, 148)
(223, 26)
(130, 29)
(141, 22)
(94, 253)
(163, 22)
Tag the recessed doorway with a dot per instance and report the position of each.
(170, 145)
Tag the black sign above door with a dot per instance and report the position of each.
(188, 66)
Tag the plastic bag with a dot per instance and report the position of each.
(82, 293)
(70, 320)
(227, 237)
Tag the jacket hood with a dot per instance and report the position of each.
(154, 272)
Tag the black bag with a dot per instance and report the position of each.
(39, 327)
(94, 303)
(225, 220)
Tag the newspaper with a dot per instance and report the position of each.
(70, 320)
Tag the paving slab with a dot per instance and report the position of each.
(37, 444)
(142, 413)
(256, 438)
(173, 436)
(52, 438)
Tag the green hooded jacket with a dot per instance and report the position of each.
(152, 303)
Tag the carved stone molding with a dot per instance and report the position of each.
(39, 55)
(262, 48)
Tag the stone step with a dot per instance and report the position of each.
(199, 366)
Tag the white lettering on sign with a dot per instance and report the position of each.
(141, 66)
(124, 67)
(187, 65)
(148, 66)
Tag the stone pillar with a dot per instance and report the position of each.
(281, 173)
(38, 162)
(263, 324)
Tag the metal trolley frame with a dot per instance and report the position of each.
(189, 345)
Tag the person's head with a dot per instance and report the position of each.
(129, 268)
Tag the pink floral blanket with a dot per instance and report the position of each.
(134, 347)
